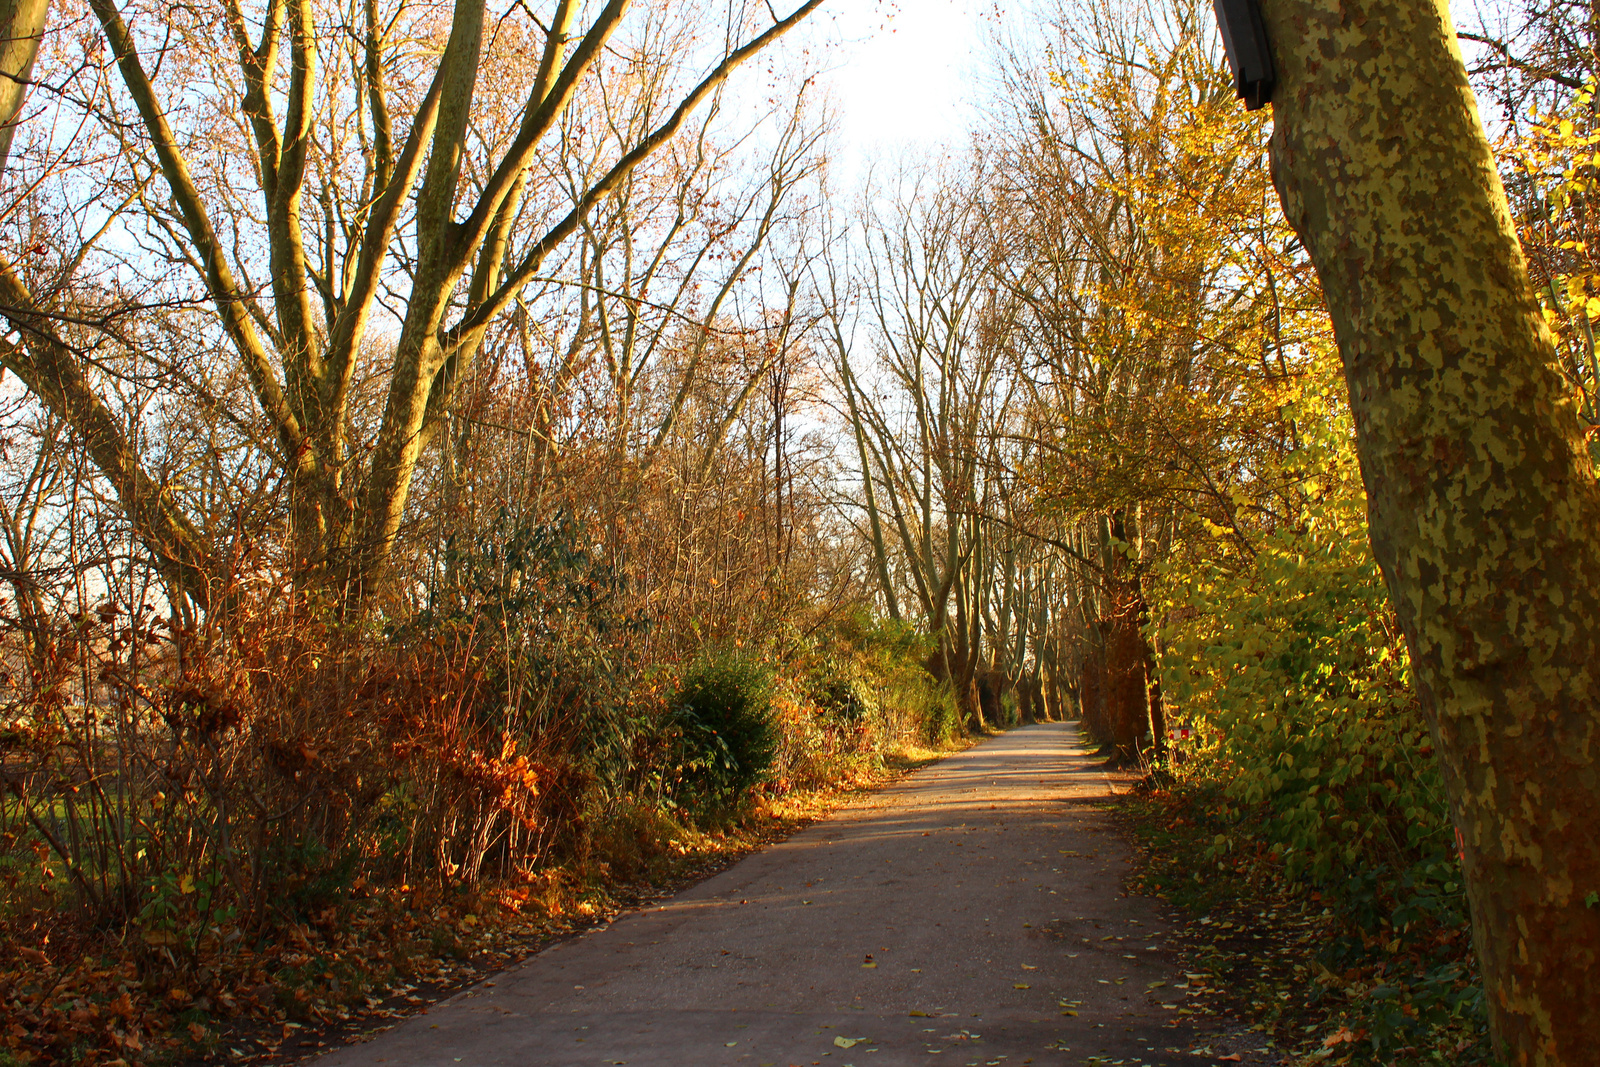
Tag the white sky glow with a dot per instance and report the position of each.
(902, 72)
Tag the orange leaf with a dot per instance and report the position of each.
(1333, 1039)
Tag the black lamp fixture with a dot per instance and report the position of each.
(1244, 37)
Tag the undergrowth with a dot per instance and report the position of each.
(371, 952)
(281, 820)
(1294, 960)
(1307, 793)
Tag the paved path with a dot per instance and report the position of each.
(950, 919)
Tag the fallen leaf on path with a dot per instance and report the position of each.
(919, 1015)
(1022, 985)
(1029, 967)
(846, 1042)
(1232, 1057)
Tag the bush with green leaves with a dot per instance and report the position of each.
(725, 726)
(872, 673)
(1291, 665)
(1297, 674)
(846, 694)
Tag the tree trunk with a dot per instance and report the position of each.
(1152, 675)
(968, 699)
(952, 666)
(21, 27)
(1092, 689)
(1483, 507)
(1158, 711)
(1126, 695)
(1030, 705)
(1057, 691)
(992, 686)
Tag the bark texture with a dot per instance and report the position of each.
(1127, 702)
(1092, 688)
(21, 27)
(1483, 506)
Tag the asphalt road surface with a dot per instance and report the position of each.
(954, 918)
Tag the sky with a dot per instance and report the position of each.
(900, 71)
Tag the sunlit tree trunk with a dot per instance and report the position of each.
(1484, 511)
(1157, 704)
(1125, 689)
(21, 27)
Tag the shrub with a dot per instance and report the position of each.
(1292, 666)
(845, 695)
(1296, 671)
(873, 675)
(926, 704)
(727, 736)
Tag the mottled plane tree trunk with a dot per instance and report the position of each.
(1484, 511)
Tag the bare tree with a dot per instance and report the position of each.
(919, 405)
(439, 229)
